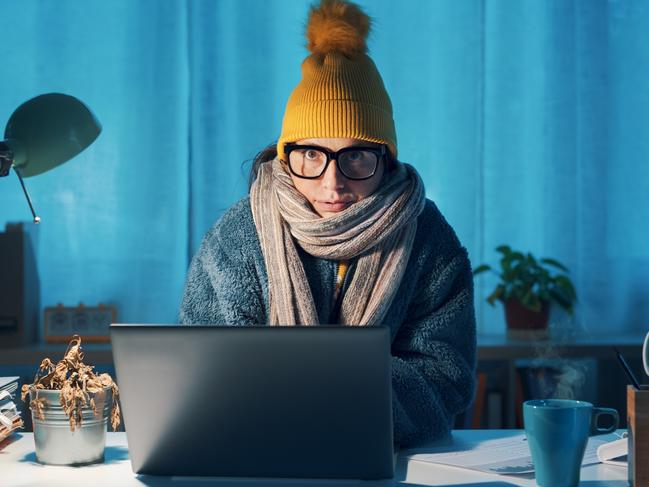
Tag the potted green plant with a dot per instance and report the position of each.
(527, 287)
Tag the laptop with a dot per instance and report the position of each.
(296, 402)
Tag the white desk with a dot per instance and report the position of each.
(18, 467)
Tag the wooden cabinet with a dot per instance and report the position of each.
(500, 357)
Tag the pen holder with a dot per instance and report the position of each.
(637, 407)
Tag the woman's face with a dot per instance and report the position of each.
(332, 192)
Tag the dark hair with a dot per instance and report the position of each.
(266, 154)
(270, 152)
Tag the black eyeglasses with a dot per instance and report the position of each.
(311, 161)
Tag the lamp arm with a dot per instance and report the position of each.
(37, 219)
(6, 162)
(6, 159)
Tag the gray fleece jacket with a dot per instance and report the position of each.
(431, 319)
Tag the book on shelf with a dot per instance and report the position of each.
(10, 419)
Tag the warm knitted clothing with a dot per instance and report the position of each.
(378, 232)
(341, 93)
(431, 319)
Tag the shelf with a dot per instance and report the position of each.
(95, 353)
(490, 347)
(502, 347)
(508, 350)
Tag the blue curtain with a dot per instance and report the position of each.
(114, 219)
(526, 120)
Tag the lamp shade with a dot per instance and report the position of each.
(47, 131)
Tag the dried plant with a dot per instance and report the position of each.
(77, 382)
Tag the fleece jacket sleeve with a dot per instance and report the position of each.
(221, 289)
(433, 364)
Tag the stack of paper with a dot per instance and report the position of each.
(9, 415)
(506, 456)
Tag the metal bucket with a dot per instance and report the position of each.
(56, 444)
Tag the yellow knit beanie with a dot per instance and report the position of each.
(341, 93)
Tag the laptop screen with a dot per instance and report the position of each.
(256, 401)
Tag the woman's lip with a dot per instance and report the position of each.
(335, 205)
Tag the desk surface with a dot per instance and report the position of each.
(18, 467)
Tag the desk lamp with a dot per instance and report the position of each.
(43, 133)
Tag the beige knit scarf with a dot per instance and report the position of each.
(379, 229)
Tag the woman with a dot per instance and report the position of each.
(336, 230)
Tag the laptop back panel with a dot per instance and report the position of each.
(310, 402)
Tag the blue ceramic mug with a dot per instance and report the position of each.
(557, 432)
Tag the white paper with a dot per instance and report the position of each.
(505, 456)
(6, 381)
(8, 406)
(5, 421)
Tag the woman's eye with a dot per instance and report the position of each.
(355, 156)
(311, 154)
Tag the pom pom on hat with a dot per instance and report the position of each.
(337, 26)
(341, 93)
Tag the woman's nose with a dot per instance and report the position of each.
(332, 177)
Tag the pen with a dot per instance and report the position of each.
(627, 370)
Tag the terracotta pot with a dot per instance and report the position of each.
(519, 317)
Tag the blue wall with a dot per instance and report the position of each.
(526, 119)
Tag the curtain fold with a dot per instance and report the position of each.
(114, 219)
(245, 59)
(524, 118)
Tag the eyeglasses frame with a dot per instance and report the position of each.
(333, 155)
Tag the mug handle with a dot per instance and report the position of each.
(597, 412)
